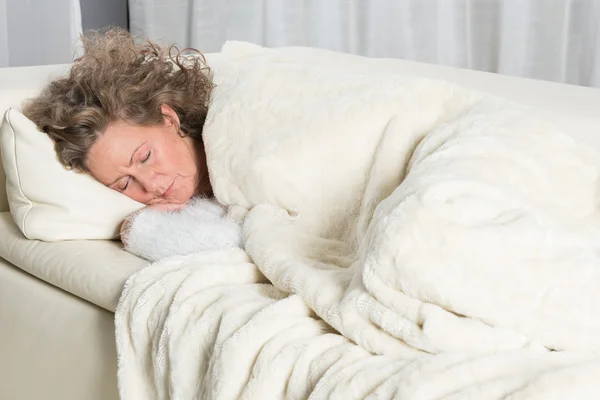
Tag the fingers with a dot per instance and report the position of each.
(167, 206)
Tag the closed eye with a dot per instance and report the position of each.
(123, 188)
(147, 157)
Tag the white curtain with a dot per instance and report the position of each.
(556, 40)
(34, 32)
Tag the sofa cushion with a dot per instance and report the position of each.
(47, 201)
(94, 270)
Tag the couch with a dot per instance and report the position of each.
(57, 299)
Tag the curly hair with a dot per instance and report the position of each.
(117, 79)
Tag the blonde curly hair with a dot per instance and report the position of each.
(117, 79)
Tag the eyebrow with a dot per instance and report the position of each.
(130, 162)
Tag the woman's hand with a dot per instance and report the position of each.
(167, 207)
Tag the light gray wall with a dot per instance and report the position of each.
(96, 14)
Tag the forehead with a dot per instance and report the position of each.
(113, 149)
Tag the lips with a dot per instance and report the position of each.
(169, 190)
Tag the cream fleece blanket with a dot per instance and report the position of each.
(405, 238)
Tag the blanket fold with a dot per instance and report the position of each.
(403, 238)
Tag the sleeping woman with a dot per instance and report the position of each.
(131, 115)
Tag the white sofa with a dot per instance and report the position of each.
(57, 299)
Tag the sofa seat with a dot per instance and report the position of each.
(94, 270)
(53, 345)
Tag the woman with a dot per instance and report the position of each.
(131, 115)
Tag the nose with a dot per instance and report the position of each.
(148, 179)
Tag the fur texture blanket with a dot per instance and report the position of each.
(403, 238)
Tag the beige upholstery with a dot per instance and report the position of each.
(94, 270)
(53, 345)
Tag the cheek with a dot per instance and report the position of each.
(167, 154)
(179, 160)
(164, 159)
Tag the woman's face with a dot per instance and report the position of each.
(150, 164)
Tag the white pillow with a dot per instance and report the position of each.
(49, 202)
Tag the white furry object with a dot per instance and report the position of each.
(200, 226)
(404, 238)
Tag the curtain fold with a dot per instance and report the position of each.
(36, 32)
(555, 40)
